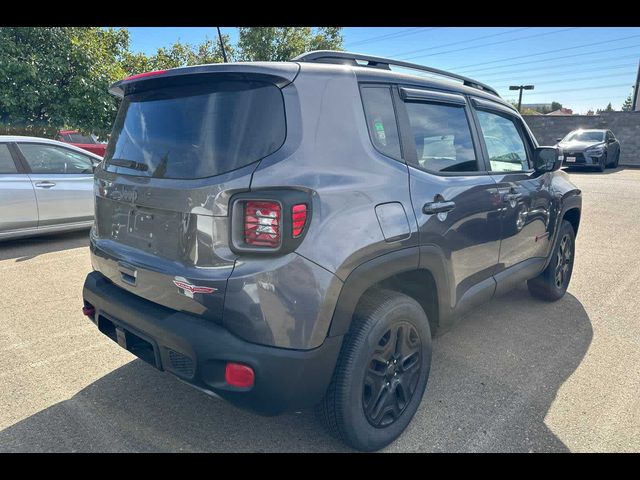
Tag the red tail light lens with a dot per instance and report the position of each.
(262, 223)
(299, 218)
(238, 375)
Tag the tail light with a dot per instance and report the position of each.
(262, 223)
(299, 218)
(269, 221)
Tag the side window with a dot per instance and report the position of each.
(381, 120)
(442, 136)
(505, 146)
(6, 160)
(51, 159)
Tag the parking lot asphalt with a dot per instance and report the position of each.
(516, 375)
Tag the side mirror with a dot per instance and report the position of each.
(547, 159)
(558, 140)
(611, 140)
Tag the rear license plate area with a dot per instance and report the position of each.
(571, 159)
(142, 347)
(141, 226)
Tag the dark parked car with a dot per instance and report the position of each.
(590, 148)
(291, 234)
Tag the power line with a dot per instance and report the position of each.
(583, 54)
(545, 92)
(401, 33)
(611, 98)
(559, 69)
(544, 53)
(575, 78)
(492, 43)
(461, 41)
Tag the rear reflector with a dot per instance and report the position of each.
(238, 375)
(88, 311)
(145, 74)
(262, 222)
(299, 218)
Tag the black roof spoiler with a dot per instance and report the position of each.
(350, 58)
(280, 73)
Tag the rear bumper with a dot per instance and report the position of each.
(196, 351)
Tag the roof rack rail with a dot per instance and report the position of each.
(350, 58)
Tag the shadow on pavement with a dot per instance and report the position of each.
(23, 249)
(594, 171)
(494, 377)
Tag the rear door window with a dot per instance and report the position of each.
(442, 137)
(51, 159)
(196, 131)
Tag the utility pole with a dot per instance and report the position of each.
(636, 92)
(520, 87)
(224, 54)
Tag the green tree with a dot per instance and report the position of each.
(178, 55)
(55, 77)
(284, 43)
(555, 106)
(628, 103)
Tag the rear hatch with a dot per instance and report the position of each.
(183, 142)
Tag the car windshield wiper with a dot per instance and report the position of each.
(121, 162)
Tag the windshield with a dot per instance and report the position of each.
(196, 131)
(582, 136)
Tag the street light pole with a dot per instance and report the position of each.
(520, 87)
(636, 92)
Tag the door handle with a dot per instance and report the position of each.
(438, 207)
(45, 184)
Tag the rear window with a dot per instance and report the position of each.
(196, 131)
(79, 138)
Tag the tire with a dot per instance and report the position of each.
(547, 286)
(603, 163)
(617, 160)
(366, 406)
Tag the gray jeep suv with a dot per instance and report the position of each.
(287, 235)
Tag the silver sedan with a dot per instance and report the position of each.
(46, 186)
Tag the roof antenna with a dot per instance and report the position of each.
(224, 54)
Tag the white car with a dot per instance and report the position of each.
(46, 186)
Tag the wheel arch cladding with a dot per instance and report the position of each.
(398, 271)
(572, 215)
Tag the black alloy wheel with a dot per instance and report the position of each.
(392, 375)
(564, 262)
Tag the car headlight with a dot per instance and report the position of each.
(594, 151)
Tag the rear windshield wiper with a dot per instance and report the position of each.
(121, 162)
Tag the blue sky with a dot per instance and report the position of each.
(581, 67)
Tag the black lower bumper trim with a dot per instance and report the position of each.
(196, 350)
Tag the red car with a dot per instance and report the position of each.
(86, 142)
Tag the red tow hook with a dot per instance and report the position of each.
(88, 311)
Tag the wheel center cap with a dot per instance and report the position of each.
(392, 368)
